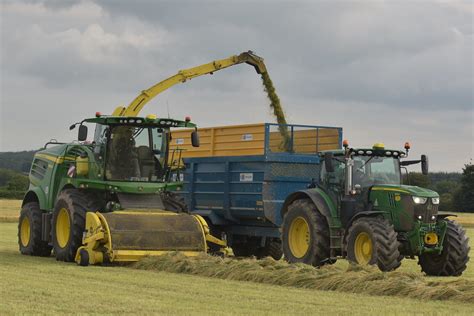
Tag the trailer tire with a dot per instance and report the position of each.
(373, 241)
(29, 231)
(453, 259)
(271, 249)
(305, 234)
(69, 222)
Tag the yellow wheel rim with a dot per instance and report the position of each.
(63, 228)
(25, 231)
(363, 248)
(299, 237)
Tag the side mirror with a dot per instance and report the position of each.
(424, 164)
(328, 157)
(195, 139)
(82, 133)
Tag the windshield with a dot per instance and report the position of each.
(371, 170)
(136, 154)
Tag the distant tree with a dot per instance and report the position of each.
(445, 186)
(446, 203)
(464, 197)
(18, 182)
(417, 179)
(5, 176)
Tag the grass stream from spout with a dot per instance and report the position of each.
(277, 109)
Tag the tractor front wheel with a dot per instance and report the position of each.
(305, 234)
(69, 223)
(453, 259)
(29, 231)
(373, 241)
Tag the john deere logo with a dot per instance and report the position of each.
(398, 197)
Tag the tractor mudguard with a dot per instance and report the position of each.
(319, 198)
(359, 215)
(443, 216)
(36, 194)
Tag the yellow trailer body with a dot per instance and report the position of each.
(253, 140)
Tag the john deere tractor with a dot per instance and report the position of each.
(360, 210)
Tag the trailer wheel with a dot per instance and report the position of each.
(29, 231)
(453, 259)
(373, 241)
(305, 234)
(272, 249)
(69, 222)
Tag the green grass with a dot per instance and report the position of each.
(43, 285)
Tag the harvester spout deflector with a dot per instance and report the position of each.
(253, 60)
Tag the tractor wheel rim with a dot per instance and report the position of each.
(363, 248)
(299, 237)
(63, 227)
(25, 232)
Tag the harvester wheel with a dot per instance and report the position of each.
(271, 249)
(373, 240)
(453, 259)
(305, 234)
(29, 231)
(69, 221)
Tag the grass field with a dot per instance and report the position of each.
(43, 285)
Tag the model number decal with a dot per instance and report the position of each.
(246, 177)
(246, 137)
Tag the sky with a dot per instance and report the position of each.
(384, 71)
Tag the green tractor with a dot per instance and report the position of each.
(361, 211)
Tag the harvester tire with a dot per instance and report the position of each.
(453, 259)
(69, 222)
(305, 234)
(29, 231)
(271, 249)
(373, 241)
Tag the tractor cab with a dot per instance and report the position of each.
(130, 149)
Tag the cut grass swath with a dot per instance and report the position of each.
(356, 279)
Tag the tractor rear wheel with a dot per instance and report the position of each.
(453, 259)
(69, 222)
(29, 231)
(373, 241)
(305, 234)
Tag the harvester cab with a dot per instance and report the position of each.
(372, 218)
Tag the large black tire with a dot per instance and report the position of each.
(373, 241)
(251, 248)
(314, 249)
(453, 259)
(29, 231)
(76, 203)
(271, 249)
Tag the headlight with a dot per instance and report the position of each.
(435, 200)
(419, 200)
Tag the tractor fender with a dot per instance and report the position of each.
(317, 196)
(35, 195)
(359, 215)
